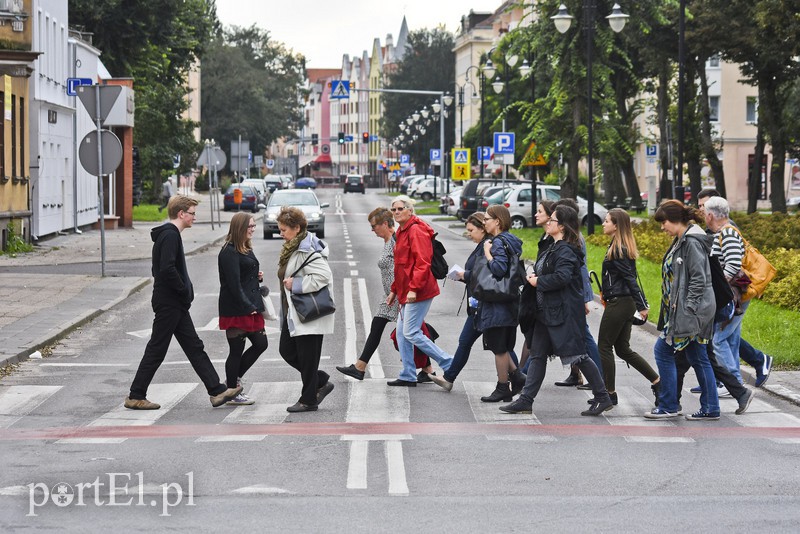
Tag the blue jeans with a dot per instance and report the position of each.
(697, 357)
(591, 348)
(409, 335)
(726, 342)
(469, 335)
(752, 356)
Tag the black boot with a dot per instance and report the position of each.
(655, 387)
(574, 379)
(517, 379)
(501, 393)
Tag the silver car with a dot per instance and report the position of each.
(518, 202)
(305, 199)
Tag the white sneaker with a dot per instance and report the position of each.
(723, 392)
(240, 400)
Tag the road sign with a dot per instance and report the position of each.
(504, 143)
(461, 164)
(212, 157)
(436, 156)
(348, 138)
(326, 149)
(270, 163)
(405, 159)
(108, 95)
(74, 83)
(484, 153)
(533, 159)
(651, 151)
(340, 89)
(176, 161)
(258, 161)
(111, 148)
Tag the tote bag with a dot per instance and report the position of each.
(310, 306)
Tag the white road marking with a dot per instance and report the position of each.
(357, 466)
(760, 414)
(353, 273)
(349, 323)
(67, 364)
(397, 468)
(375, 366)
(18, 401)
(167, 395)
(630, 412)
(259, 489)
(489, 413)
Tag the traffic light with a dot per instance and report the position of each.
(365, 137)
(314, 139)
(341, 138)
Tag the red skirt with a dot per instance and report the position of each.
(248, 323)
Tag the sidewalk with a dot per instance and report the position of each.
(39, 309)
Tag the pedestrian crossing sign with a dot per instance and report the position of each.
(340, 89)
(461, 164)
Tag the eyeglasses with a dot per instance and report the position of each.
(374, 225)
(192, 213)
(251, 226)
(398, 209)
(551, 220)
(489, 219)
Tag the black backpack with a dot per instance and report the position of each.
(723, 294)
(439, 266)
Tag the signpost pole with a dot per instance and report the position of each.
(100, 184)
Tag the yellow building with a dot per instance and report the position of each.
(16, 65)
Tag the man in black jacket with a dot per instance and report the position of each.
(172, 297)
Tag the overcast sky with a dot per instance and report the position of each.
(324, 30)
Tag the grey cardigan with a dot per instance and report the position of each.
(692, 304)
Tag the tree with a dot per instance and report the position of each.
(252, 86)
(155, 42)
(428, 65)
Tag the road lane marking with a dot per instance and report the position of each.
(349, 323)
(375, 366)
(489, 413)
(761, 414)
(168, 395)
(630, 412)
(357, 466)
(397, 468)
(18, 401)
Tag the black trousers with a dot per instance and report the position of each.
(303, 353)
(239, 360)
(374, 338)
(177, 322)
(721, 373)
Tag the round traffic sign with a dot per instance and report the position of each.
(111, 152)
(326, 149)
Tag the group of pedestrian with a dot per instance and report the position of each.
(556, 292)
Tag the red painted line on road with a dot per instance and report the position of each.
(700, 430)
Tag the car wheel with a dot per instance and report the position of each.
(363, 192)
(426, 197)
(518, 222)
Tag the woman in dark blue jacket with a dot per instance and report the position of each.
(561, 317)
(240, 302)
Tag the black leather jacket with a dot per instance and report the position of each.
(619, 280)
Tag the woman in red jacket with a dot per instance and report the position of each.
(414, 287)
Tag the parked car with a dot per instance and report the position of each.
(449, 202)
(424, 189)
(273, 182)
(249, 199)
(518, 202)
(287, 181)
(305, 183)
(471, 195)
(408, 180)
(305, 200)
(354, 183)
(494, 194)
(260, 188)
(413, 184)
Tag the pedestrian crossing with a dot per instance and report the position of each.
(371, 402)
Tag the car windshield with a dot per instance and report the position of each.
(273, 179)
(293, 198)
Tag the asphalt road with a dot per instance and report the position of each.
(372, 458)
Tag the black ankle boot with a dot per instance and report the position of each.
(501, 393)
(517, 379)
(574, 379)
(655, 387)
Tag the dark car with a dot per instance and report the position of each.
(472, 195)
(273, 182)
(249, 199)
(354, 183)
(305, 183)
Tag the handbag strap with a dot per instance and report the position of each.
(309, 259)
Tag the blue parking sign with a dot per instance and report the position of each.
(504, 143)
(404, 159)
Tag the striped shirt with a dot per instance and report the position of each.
(728, 247)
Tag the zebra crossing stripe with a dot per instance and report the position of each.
(489, 413)
(167, 395)
(18, 401)
(630, 412)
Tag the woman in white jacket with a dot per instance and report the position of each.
(301, 342)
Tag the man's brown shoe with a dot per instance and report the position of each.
(225, 396)
(140, 404)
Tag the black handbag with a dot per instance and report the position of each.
(488, 288)
(310, 306)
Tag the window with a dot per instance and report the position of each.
(752, 110)
(713, 62)
(524, 195)
(713, 108)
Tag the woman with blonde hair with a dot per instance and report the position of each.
(623, 297)
(240, 302)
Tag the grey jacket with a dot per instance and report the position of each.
(692, 304)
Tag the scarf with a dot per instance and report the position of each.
(288, 249)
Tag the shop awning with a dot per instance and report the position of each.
(323, 158)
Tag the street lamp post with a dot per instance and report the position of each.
(502, 85)
(563, 21)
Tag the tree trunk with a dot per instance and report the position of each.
(754, 182)
(632, 184)
(770, 108)
(663, 118)
(709, 149)
(692, 145)
(569, 188)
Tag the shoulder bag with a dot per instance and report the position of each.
(757, 268)
(488, 288)
(310, 306)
